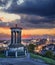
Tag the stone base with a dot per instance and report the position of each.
(15, 52)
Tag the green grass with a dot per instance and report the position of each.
(2, 55)
(47, 60)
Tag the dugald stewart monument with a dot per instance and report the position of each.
(15, 48)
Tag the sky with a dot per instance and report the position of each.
(36, 17)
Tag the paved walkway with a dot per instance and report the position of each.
(20, 61)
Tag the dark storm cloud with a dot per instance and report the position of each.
(37, 7)
(37, 21)
(44, 8)
(31, 21)
(35, 13)
(3, 2)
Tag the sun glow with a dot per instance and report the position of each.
(38, 31)
(29, 32)
(7, 17)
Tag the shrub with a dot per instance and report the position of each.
(31, 48)
(54, 57)
(49, 54)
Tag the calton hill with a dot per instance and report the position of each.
(27, 32)
(48, 56)
(37, 51)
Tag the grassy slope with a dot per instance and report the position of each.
(2, 55)
(47, 60)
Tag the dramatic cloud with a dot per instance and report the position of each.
(33, 13)
(5, 4)
(36, 17)
(6, 17)
(34, 21)
(38, 7)
(19, 2)
(28, 21)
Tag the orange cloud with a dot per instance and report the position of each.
(28, 32)
(39, 31)
(4, 30)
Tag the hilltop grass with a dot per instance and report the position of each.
(47, 60)
(2, 55)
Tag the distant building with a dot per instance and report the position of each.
(41, 42)
(43, 45)
(50, 47)
(3, 45)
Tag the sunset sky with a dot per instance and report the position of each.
(36, 17)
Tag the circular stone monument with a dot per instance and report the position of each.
(16, 48)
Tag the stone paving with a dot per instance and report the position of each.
(21, 61)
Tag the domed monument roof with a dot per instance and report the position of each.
(16, 27)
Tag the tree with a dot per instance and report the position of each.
(49, 54)
(31, 47)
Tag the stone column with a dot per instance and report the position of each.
(15, 37)
(25, 53)
(11, 37)
(19, 37)
(6, 53)
(16, 54)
